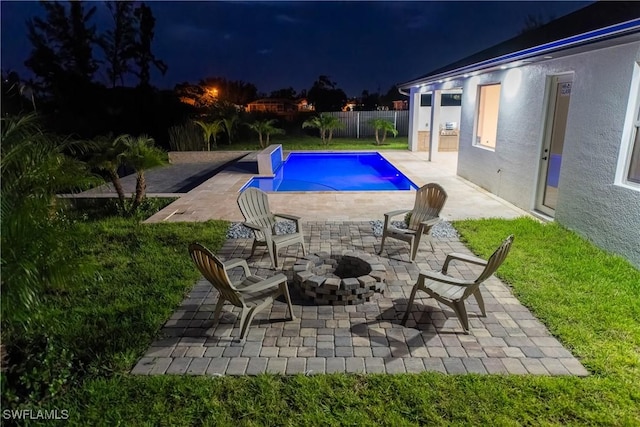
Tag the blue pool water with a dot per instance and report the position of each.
(334, 172)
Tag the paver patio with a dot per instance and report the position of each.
(366, 338)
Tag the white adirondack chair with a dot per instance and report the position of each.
(251, 295)
(254, 205)
(452, 291)
(430, 199)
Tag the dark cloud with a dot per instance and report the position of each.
(287, 19)
(187, 32)
(361, 45)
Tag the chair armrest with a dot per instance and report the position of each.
(287, 216)
(237, 262)
(294, 218)
(256, 227)
(425, 226)
(443, 278)
(396, 213)
(462, 257)
(430, 222)
(271, 282)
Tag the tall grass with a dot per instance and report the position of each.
(186, 137)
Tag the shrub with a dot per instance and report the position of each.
(185, 137)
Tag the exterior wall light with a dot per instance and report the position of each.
(512, 81)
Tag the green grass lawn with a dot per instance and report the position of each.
(589, 299)
(315, 143)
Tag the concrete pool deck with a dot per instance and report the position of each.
(216, 197)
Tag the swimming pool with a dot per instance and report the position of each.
(365, 171)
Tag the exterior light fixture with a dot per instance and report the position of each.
(512, 82)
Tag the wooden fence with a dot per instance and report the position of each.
(357, 122)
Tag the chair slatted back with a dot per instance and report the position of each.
(213, 270)
(430, 199)
(493, 263)
(254, 205)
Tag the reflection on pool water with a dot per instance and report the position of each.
(363, 171)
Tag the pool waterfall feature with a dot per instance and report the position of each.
(270, 160)
(326, 171)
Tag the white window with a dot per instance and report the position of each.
(633, 172)
(628, 173)
(487, 118)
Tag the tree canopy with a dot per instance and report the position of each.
(63, 45)
(325, 95)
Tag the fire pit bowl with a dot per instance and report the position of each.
(348, 278)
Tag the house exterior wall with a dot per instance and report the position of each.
(590, 202)
(509, 171)
(424, 114)
(447, 114)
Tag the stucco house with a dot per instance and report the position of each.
(550, 121)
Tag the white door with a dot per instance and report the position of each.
(551, 159)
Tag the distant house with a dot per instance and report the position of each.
(279, 105)
(402, 104)
(350, 105)
(550, 121)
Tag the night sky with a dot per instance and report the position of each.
(360, 45)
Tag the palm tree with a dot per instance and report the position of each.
(140, 154)
(209, 130)
(326, 124)
(265, 128)
(33, 169)
(384, 126)
(107, 158)
(230, 123)
(26, 89)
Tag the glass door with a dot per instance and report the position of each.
(551, 159)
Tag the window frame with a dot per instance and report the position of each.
(451, 100)
(633, 154)
(631, 130)
(426, 100)
(476, 126)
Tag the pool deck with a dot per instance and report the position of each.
(216, 198)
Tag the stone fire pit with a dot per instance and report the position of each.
(346, 279)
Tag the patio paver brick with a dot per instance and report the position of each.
(179, 365)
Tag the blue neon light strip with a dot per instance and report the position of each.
(567, 42)
(572, 40)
